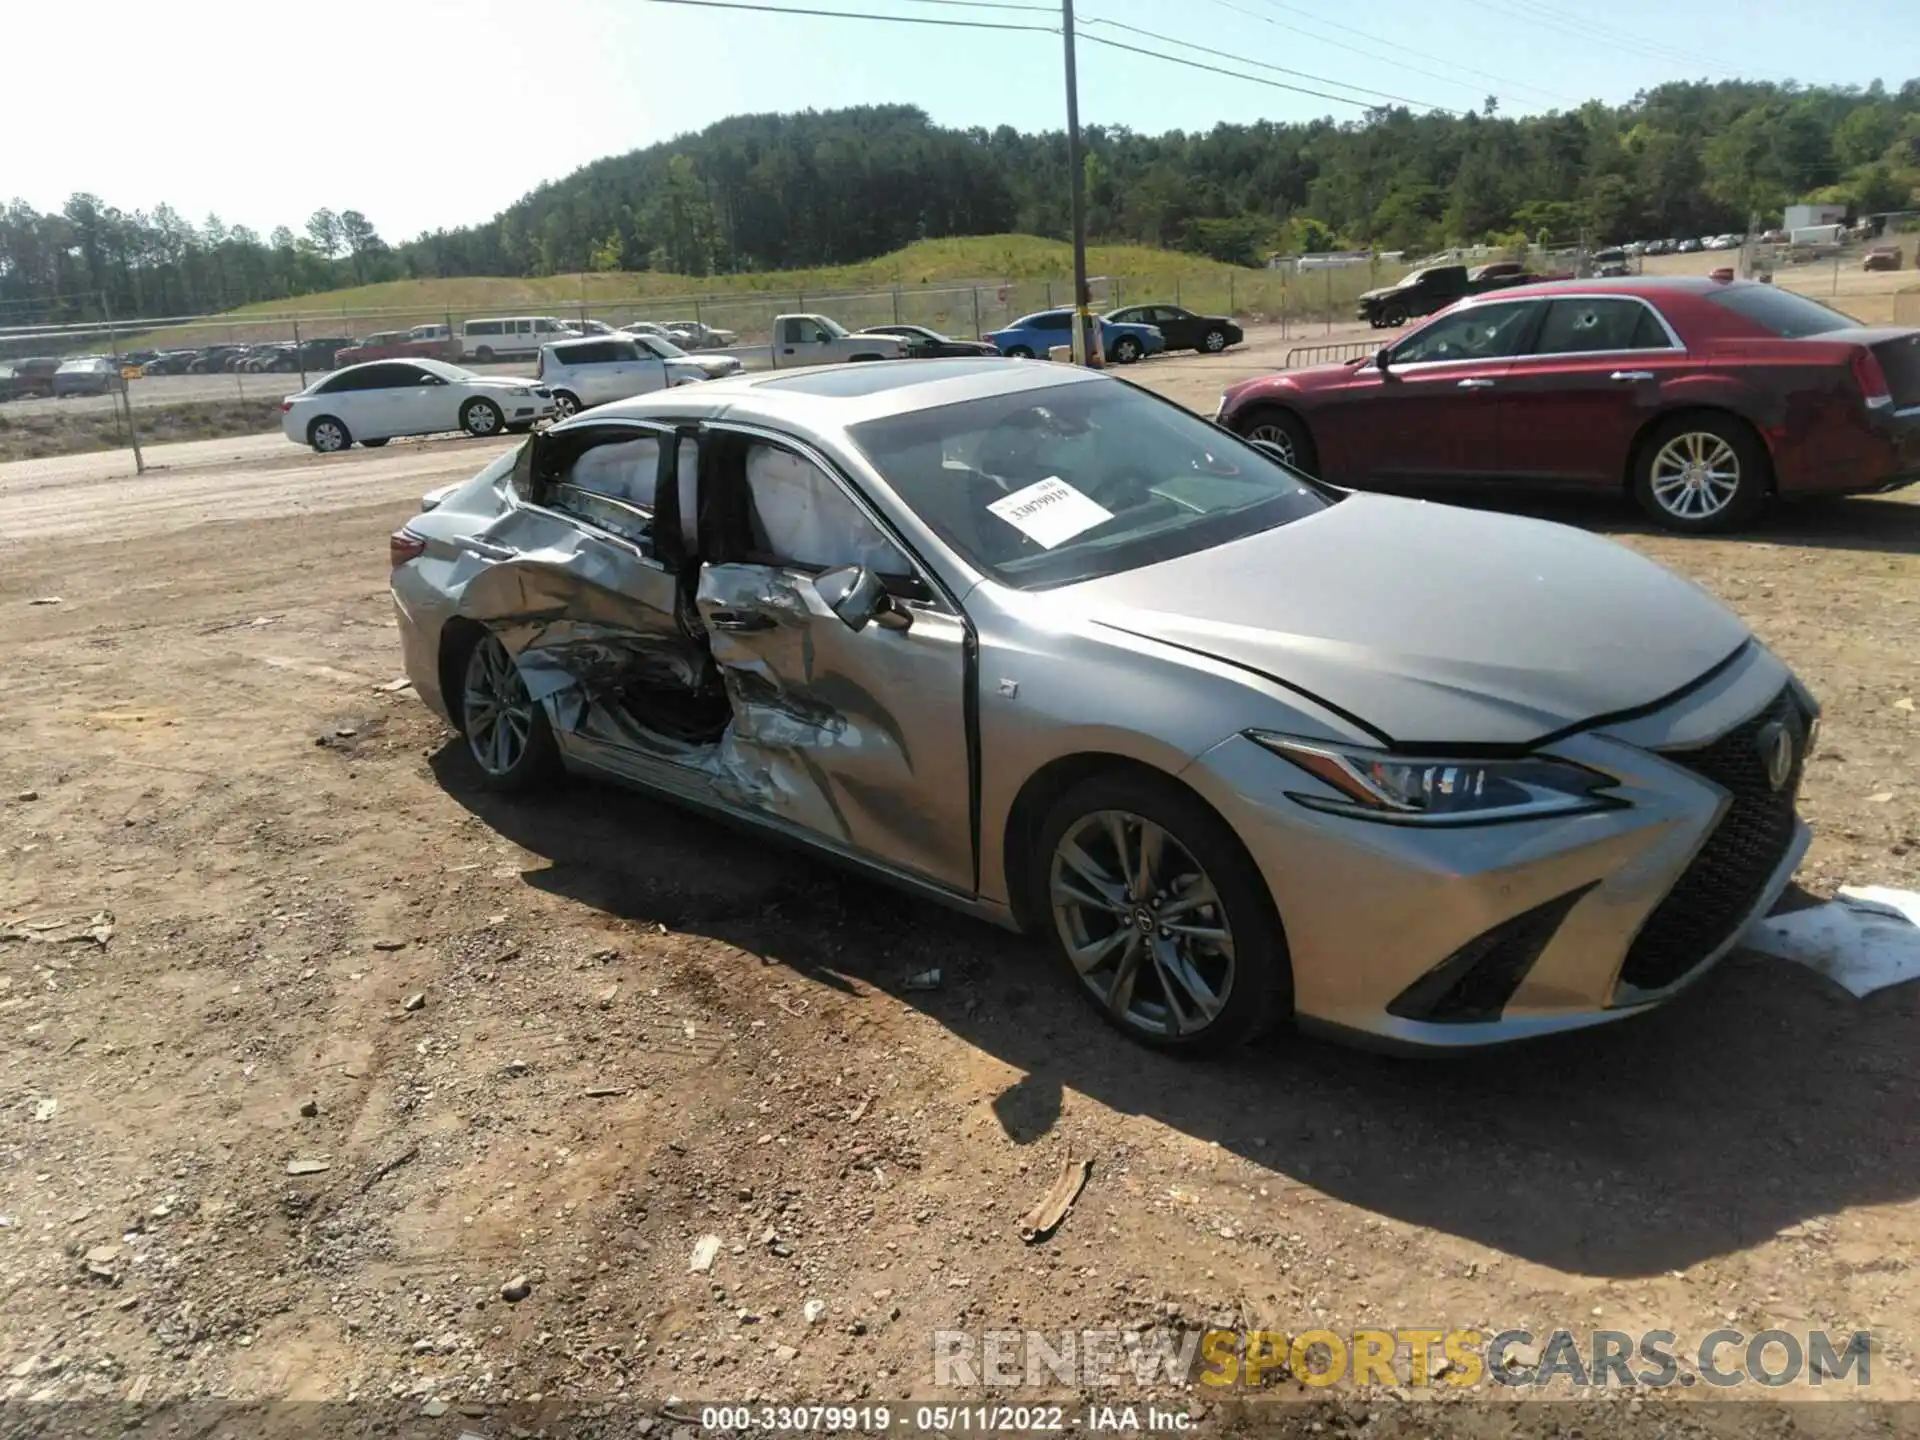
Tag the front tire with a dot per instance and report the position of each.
(329, 436)
(1126, 350)
(1161, 916)
(481, 418)
(566, 405)
(1700, 474)
(1393, 317)
(1285, 430)
(506, 729)
(1214, 341)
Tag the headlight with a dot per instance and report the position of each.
(1375, 785)
(519, 390)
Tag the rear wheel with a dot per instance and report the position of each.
(1284, 431)
(1161, 915)
(565, 404)
(481, 418)
(1019, 352)
(376, 443)
(1701, 473)
(506, 728)
(484, 354)
(328, 435)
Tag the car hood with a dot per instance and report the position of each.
(1434, 625)
(1380, 293)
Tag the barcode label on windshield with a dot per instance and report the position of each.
(1051, 512)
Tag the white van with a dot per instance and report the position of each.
(511, 337)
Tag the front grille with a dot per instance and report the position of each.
(1718, 891)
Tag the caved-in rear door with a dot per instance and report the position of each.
(576, 586)
(857, 738)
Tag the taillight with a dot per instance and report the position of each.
(1871, 379)
(402, 546)
(540, 370)
(285, 405)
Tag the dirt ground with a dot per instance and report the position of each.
(312, 1046)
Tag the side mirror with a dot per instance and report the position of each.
(1383, 359)
(856, 595)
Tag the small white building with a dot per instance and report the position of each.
(1799, 217)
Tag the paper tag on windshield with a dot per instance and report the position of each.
(1050, 512)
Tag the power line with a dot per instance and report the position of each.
(864, 15)
(1341, 45)
(988, 5)
(1585, 30)
(1260, 64)
(1405, 50)
(1216, 70)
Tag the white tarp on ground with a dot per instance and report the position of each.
(1866, 940)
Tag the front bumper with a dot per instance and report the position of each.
(1548, 925)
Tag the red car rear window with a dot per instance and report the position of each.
(1781, 312)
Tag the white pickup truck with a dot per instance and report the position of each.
(816, 340)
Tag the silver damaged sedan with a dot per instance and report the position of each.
(1037, 644)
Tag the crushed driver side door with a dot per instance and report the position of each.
(854, 738)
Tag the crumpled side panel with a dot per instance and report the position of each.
(808, 742)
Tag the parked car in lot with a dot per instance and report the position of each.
(1180, 328)
(170, 362)
(1689, 247)
(510, 337)
(1434, 287)
(1045, 647)
(88, 375)
(374, 402)
(820, 340)
(1609, 264)
(212, 359)
(1702, 399)
(712, 367)
(1035, 336)
(397, 345)
(30, 377)
(925, 344)
(1881, 257)
(585, 373)
(695, 335)
(648, 327)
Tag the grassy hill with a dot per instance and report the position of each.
(932, 282)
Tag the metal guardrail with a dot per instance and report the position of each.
(1334, 354)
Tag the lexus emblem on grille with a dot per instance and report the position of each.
(1776, 753)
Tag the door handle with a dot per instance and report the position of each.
(738, 621)
(1629, 376)
(1476, 385)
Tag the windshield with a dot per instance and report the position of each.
(1782, 312)
(1048, 487)
(665, 349)
(832, 327)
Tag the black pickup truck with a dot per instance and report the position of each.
(1434, 287)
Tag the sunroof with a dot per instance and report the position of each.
(848, 382)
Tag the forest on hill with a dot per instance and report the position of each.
(782, 192)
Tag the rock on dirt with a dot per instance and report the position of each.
(705, 1250)
(516, 1290)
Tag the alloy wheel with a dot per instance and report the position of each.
(496, 710)
(1142, 923)
(1277, 437)
(565, 406)
(1695, 475)
(1215, 341)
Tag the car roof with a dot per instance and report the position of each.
(830, 397)
(1646, 287)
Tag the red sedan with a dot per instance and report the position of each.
(1702, 398)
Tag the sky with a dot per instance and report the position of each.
(429, 113)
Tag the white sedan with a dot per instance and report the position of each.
(376, 401)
